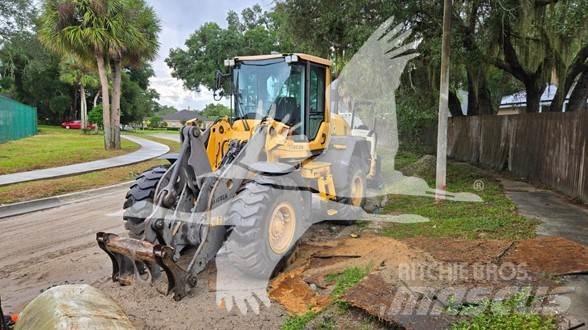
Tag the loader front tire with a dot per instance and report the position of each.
(269, 221)
(139, 201)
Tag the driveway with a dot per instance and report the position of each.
(558, 217)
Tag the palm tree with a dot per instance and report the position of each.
(76, 73)
(89, 29)
(140, 45)
(117, 31)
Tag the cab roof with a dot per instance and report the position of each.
(306, 57)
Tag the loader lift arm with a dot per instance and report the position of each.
(153, 251)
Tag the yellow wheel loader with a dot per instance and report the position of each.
(250, 183)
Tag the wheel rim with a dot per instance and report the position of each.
(282, 227)
(357, 191)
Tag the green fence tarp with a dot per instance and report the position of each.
(17, 120)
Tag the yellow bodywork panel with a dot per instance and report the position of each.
(340, 126)
(320, 171)
(279, 142)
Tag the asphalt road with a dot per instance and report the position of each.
(57, 246)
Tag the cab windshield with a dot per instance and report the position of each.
(270, 88)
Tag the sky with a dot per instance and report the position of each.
(179, 19)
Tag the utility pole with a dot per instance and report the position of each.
(443, 103)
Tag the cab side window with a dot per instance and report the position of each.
(316, 101)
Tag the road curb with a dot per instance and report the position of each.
(20, 208)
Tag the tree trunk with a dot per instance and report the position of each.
(96, 98)
(108, 143)
(484, 98)
(575, 69)
(579, 95)
(116, 94)
(454, 105)
(563, 89)
(473, 107)
(74, 107)
(83, 108)
(534, 83)
(479, 98)
(533, 96)
(558, 99)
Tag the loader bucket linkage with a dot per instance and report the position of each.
(124, 251)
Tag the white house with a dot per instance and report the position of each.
(517, 103)
(178, 119)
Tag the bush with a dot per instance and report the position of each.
(95, 116)
(155, 122)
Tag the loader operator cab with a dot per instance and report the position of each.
(289, 89)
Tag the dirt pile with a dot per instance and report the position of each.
(422, 167)
(465, 272)
(548, 255)
(551, 255)
(304, 284)
(296, 295)
(412, 283)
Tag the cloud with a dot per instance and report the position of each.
(179, 19)
(173, 93)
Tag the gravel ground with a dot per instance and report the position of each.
(57, 246)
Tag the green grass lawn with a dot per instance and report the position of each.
(512, 313)
(495, 217)
(45, 188)
(55, 146)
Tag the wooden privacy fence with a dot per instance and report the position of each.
(545, 148)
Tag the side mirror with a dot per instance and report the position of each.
(218, 80)
(219, 84)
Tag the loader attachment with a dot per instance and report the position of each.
(125, 252)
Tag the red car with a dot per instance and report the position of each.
(76, 124)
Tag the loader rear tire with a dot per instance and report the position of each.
(260, 212)
(354, 193)
(139, 201)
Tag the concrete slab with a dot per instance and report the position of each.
(149, 149)
(558, 217)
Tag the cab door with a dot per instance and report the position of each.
(315, 107)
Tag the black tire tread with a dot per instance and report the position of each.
(247, 245)
(139, 201)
